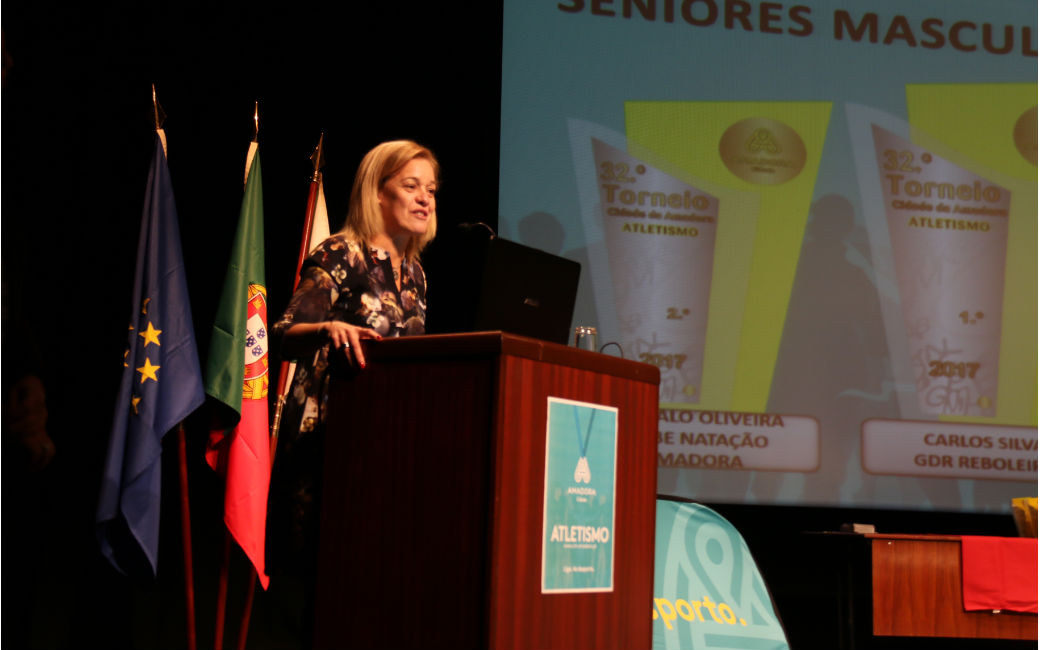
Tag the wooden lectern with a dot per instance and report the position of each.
(432, 518)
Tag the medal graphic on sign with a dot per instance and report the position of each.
(582, 474)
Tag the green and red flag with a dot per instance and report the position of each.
(237, 378)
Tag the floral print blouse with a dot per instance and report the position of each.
(341, 281)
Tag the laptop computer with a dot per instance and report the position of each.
(488, 283)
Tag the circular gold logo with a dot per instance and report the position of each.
(762, 151)
(1025, 135)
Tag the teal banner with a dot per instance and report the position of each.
(580, 481)
(708, 592)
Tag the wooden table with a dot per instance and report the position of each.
(917, 592)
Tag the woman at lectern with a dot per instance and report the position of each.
(364, 282)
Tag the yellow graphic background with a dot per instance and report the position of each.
(973, 126)
(760, 252)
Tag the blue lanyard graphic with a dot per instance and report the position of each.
(583, 446)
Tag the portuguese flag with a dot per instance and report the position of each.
(237, 379)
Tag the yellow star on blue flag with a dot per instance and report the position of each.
(150, 335)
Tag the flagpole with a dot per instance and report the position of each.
(222, 581)
(182, 460)
(189, 575)
(222, 586)
(318, 158)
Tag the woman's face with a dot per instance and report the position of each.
(407, 199)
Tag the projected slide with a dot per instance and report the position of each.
(818, 220)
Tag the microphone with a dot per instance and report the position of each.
(470, 227)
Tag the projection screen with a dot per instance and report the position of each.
(819, 220)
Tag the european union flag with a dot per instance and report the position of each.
(161, 384)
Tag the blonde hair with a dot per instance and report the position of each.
(364, 217)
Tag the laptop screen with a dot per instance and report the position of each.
(489, 283)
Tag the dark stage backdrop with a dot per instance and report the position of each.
(77, 140)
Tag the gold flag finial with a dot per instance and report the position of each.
(253, 145)
(160, 117)
(318, 157)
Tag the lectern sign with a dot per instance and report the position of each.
(580, 481)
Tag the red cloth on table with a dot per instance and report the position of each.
(999, 573)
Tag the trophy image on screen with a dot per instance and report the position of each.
(660, 239)
(948, 230)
